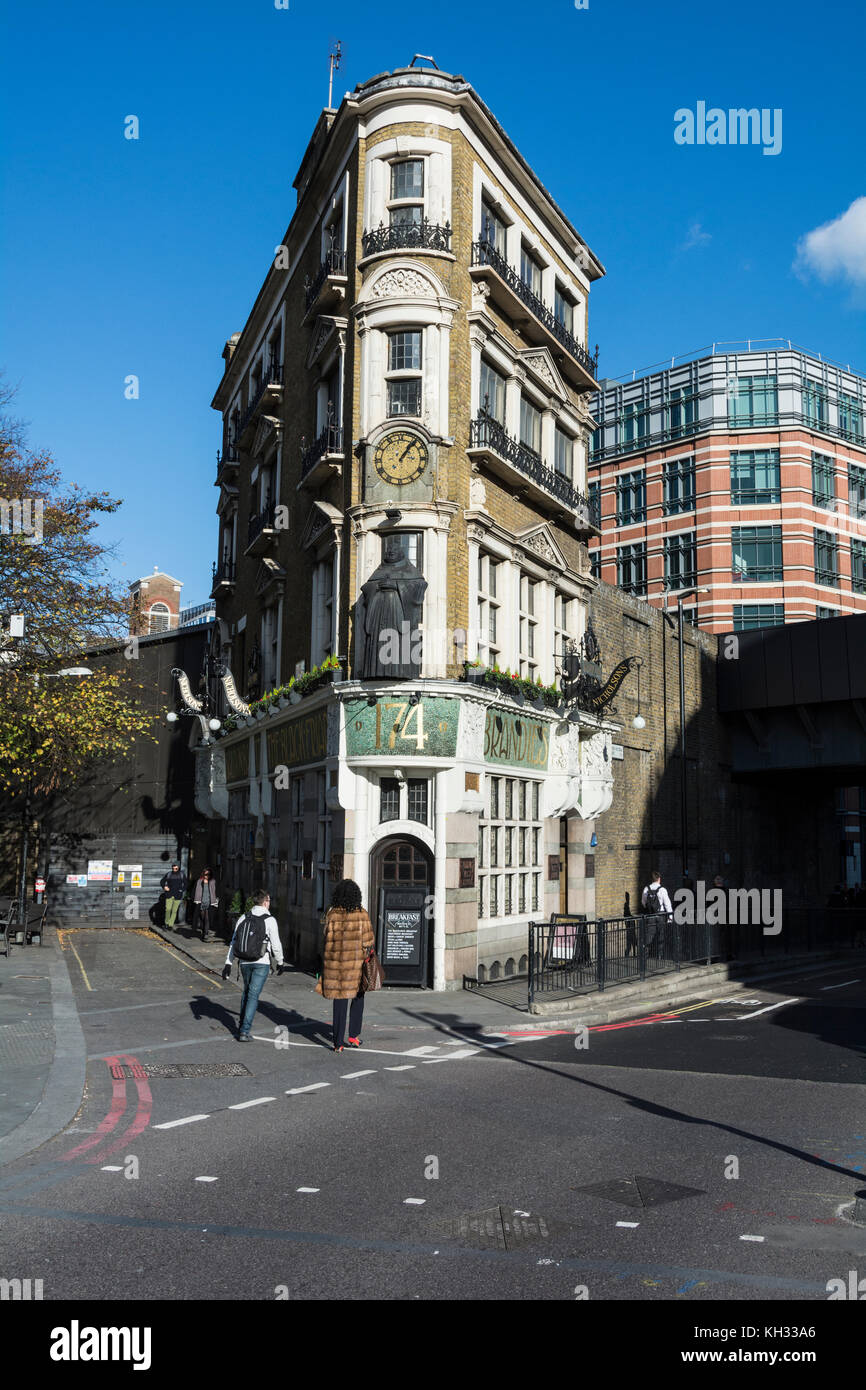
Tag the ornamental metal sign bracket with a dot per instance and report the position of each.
(581, 677)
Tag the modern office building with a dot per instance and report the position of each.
(410, 390)
(742, 471)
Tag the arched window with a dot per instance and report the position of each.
(158, 617)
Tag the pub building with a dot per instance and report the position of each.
(402, 559)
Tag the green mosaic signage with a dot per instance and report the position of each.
(300, 740)
(394, 726)
(516, 740)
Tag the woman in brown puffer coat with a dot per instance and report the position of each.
(348, 938)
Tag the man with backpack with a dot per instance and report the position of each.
(255, 939)
(655, 901)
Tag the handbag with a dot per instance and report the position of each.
(372, 974)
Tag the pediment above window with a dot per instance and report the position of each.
(324, 523)
(329, 333)
(270, 579)
(266, 437)
(540, 364)
(541, 544)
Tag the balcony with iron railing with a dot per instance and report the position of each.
(261, 529)
(223, 576)
(407, 236)
(323, 458)
(517, 462)
(329, 282)
(542, 326)
(228, 460)
(268, 394)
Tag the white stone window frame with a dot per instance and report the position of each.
(501, 551)
(160, 610)
(404, 294)
(510, 826)
(325, 547)
(335, 211)
(403, 819)
(520, 380)
(529, 624)
(333, 360)
(436, 156)
(396, 375)
(486, 651)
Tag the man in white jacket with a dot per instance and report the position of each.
(655, 901)
(265, 934)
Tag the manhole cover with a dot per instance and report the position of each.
(168, 1071)
(641, 1192)
(493, 1229)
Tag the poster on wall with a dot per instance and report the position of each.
(99, 870)
(136, 880)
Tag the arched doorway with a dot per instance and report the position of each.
(401, 879)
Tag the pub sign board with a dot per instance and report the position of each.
(395, 726)
(403, 934)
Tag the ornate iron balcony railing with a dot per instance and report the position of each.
(273, 376)
(485, 253)
(487, 433)
(260, 521)
(402, 236)
(333, 264)
(330, 441)
(222, 573)
(229, 456)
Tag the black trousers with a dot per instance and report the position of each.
(204, 919)
(356, 1017)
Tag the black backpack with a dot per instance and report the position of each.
(653, 901)
(250, 937)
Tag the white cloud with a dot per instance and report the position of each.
(696, 237)
(838, 248)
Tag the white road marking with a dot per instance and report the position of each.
(420, 1051)
(353, 1075)
(207, 1180)
(414, 1201)
(521, 1213)
(631, 1224)
(299, 1090)
(308, 1189)
(768, 1007)
(113, 1168)
(187, 1120)
(842, 986)
(245, 1104)
(407, 1066)
(751, 1237)
(453, 1056)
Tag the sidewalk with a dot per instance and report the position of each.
(42, 1052)
(478, 1012)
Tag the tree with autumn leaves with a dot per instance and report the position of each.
(55, 728)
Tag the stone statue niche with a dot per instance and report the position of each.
(393, 599)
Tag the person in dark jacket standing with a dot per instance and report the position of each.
(206, 904)
(348, 939)
(175, 887)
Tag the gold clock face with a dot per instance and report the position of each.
(400, 458)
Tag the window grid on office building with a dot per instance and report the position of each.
(826, 558)
(856, 490)
(823, 480)
(529, 590)
(754, 477)
(823, 612)
(858, 566)
(488, 609)
(752, 400)
(681, 411)
(748, 616)
(631, 568)
(850, 417)
(756, 554)
(681, 569)
(634, 423)
(631, 497)
(509, 849)
(679, 486)
(814, 402)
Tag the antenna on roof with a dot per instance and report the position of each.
(425, 58)
(335, 57)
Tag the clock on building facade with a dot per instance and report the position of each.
(401, 457)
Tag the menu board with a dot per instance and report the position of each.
(403, 925)
(401, 943)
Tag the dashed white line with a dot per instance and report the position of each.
(631, 1224)
(842, 986)
(768, 1008)
(751, 1237)
(407, 1066)
(308, 1189)
(187, 1120)
(245, 1104)
(299, 1090)
(353, 1075)
(414, 1201)
(112, 1168)
(207, 1179)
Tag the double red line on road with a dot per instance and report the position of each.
(117, 1110)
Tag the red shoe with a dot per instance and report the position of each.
(339, 1049)
(353, 1042)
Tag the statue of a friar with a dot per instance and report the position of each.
(393, 604)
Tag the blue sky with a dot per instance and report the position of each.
(143, 256)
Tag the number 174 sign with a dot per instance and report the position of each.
(401, 726)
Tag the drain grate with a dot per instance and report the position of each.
(169, 1071)
(493, 1229)
(641, 1192)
